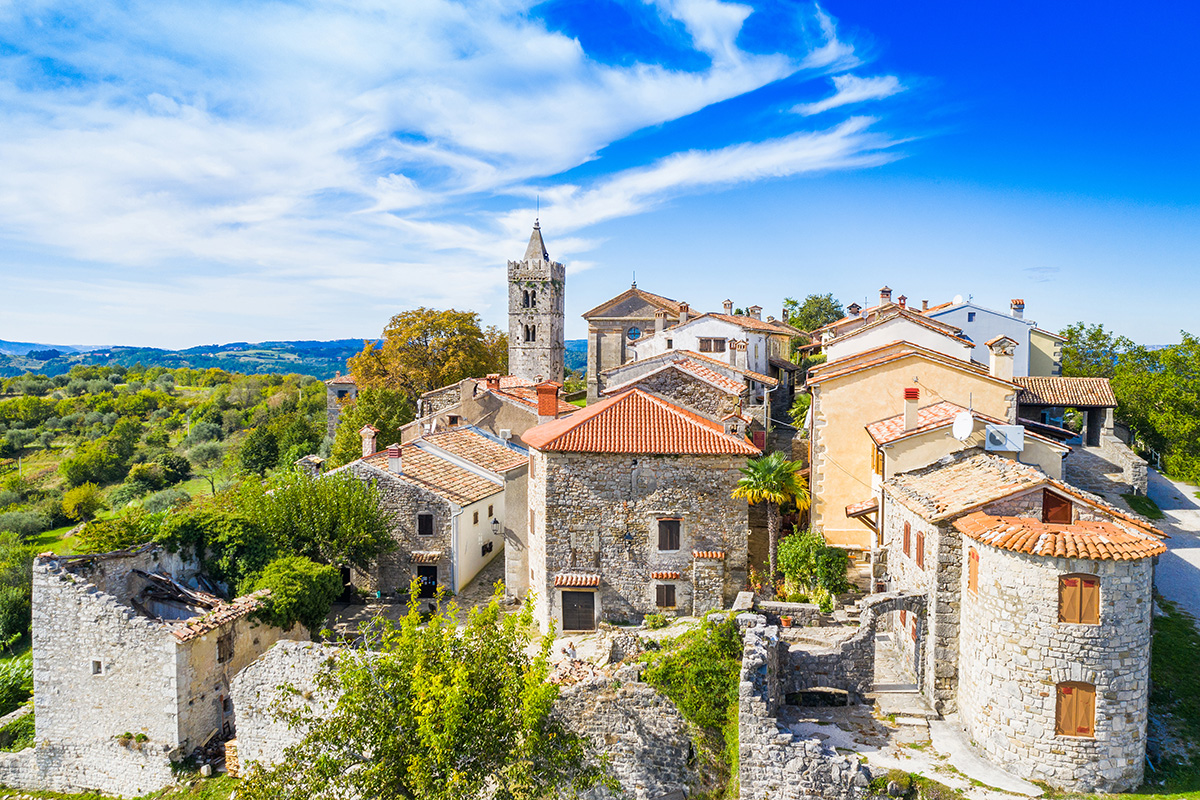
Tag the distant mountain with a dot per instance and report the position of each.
(21, 348)
(575, 356)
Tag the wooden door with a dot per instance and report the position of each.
(579, 611)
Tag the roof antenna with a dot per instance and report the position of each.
(635, 279)
(537, 219)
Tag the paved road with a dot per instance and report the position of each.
(1178, 575)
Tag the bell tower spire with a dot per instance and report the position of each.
(536, 323)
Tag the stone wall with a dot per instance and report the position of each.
(773, 763)
(598, 514)
(106, 766)
(1015, 652)
(689, 392)
(1134, 466)
(541, 359)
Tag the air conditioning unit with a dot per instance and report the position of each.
(505, 433)
(1005, 438)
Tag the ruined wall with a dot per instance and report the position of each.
(690, 392)
(1015, 652)
(105, 766)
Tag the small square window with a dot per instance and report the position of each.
(970, 316)
(97, 667)
(670, 344)
(425, 524)
(668, 534)
(664, 595)
(453, 419)
(475, 518)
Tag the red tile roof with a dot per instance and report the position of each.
(528, 396)
(691, 367)
(862, 507)
(425, 556)
(576, 579)
(637, 422)
(665, 576)
(752, 324)
(1096, 540)
(718, 555)
(928, 418)
(430, 471)
(478, 449)
(223, 613)
(653, 299)
(340, 380)
(1074, 392)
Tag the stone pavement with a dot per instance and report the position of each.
(1090, 470)
(1177, 576)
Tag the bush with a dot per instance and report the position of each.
(231, 548)
(17, 735)
(24, 523)
(9, 498)
(259, 451)
(301, 591)
(148, 474)
(204, 432)
(806, 561)
(166, 500)
(175, 467)
(655, 621)
(95, 463)
(133, 527)
(129, 491)
(16, 682)
(832, 563)
(82, 502)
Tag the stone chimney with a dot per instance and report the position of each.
(903, 301)
(783, 316)
(737, 354)
(854, 309)
(683, 313)
(912, 397)
(885, 295)
(1001, 365)
(924, 305)
(755, 311)
(728, 305)
(394, 465)
(493, 382)
(547, 401)
(368, 439)
(310, 465)
(734, 425)
(660, 321)
(1018, 308)
(770, 318)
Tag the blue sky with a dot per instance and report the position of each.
(178, 173)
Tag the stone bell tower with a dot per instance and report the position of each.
(535, 313)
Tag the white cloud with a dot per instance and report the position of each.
(852, 89)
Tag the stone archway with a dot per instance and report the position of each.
(875, 607)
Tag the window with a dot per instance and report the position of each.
(1055, 509)
(490, 513)
(907, 539)
(877, 460)
(970, 316)
(225, 648)
(664, 595)
(973, 571)
(475, 518)
(1076, 711)
(921, 549)
(97, 667)
(453, 419)
(670, 344)
(634, 333)
(1079, 599)
(530, 333)
(668, 534)
(712, 345)
(425, 524)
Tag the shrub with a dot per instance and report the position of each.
(175, 467)
(17, 735)
(655, 621)
(832, 563)
(82, 502)
(131, 528)
(95, 463)
(24, 523)
(16, 682)
(129, 491)
(9, 498)
(807, 561)
(148, 474)
(232, 548)
(166, 500)
(204, 432)
(301, 591)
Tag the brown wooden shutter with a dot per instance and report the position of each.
(973, 571)
(1068, 598)
(1075, 714)
(1064, 713)
(1055, 509)
(904, 618)
(1089, 600)
(907, 533)
(921, 549)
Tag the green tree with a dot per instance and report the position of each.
(1090, 351)
(259, 451)
(426, 349)
(301, 591)
(772, 479)
(1158, 396)
(16, 576)
(82, 502)
(232, 548)
(433, 713)
(816, 311)
(386, 410)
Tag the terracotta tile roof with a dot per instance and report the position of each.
(945, 490)
(223, 613)
(1057, 391)
(430, 471)
(528, 395)
(637, 422)
(1103, 541)
(576, 579)
(473, 446)
(506, 382)
(718, 555)
(700, 359)
(894, 351)
(1000, 338)
(651, 298)
(752, 324)
(341, 380)
(862, 507)
(665, 576)
(425, 556)
(928, 418)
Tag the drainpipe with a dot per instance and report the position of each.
(454, 515)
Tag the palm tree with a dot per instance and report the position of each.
(772, 479)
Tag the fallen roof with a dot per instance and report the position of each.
(1059, 391)
(220, 614)
(1098, 540)
(470, 444)
(637, 422)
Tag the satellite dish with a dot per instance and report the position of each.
(964, 425)
(957, 299)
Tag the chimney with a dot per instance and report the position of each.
(770, 318)
(683, 313)
(783, 316)
(393, 452)
(903, 301)
(734, 425)
(854, 309)
(1018, 308)
(912, 396)
(924, 305)
(737, 354)
(493, 382)
(728, 306)
(755, 311)
(885, 295)
(310, 465)
(547, 401)
(368, 439)
(1001, 365)
(660, 321)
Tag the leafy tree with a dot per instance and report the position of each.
(93, 462)
(772, 479)
(1090, 351)
(385, 409)
(129, 529)
(204, 432)
(816, 311)
(24, 523)
(1158, 396)
(259, 451)
(426, 349)
(82, 502)
(16, 576)
(433, 713)
(301, 591)
(175, 467)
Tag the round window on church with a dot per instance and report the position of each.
(635, 333)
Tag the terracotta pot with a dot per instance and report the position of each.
(785, 622)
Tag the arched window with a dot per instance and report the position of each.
(533, 299)
(1079, 599)
(530, 333)
(1075, 714)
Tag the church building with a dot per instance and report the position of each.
(536, 287)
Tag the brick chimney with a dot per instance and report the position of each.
(493, 382)
(755, 311)
(683, 313)
(912, 397)
(728, 305)
(660, 321)
(368, 439)
(394, 465)
(924, 305)
(547, 400)
(885, 295)
(1018, 308)
(1001, 362)
(903, 301)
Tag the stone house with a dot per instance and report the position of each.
(446, 495)
(616, 324)
(136, 642)
(631, 512)
(339, 390)
(1004, 642)
(504, 406)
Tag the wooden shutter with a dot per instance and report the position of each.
(1089, 600)
(904, 618)
(1079, 599)
(1075, 714)
(1068, 598)
(668, 534)
(1055, 509)
(921, 549)
(973, 571)
(907, 534)
(425, 524)
(760, 440)
(665, 595)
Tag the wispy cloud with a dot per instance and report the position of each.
(1042, 274)
(852, 89)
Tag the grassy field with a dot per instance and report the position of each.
(1143, 505)
(219, 787)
